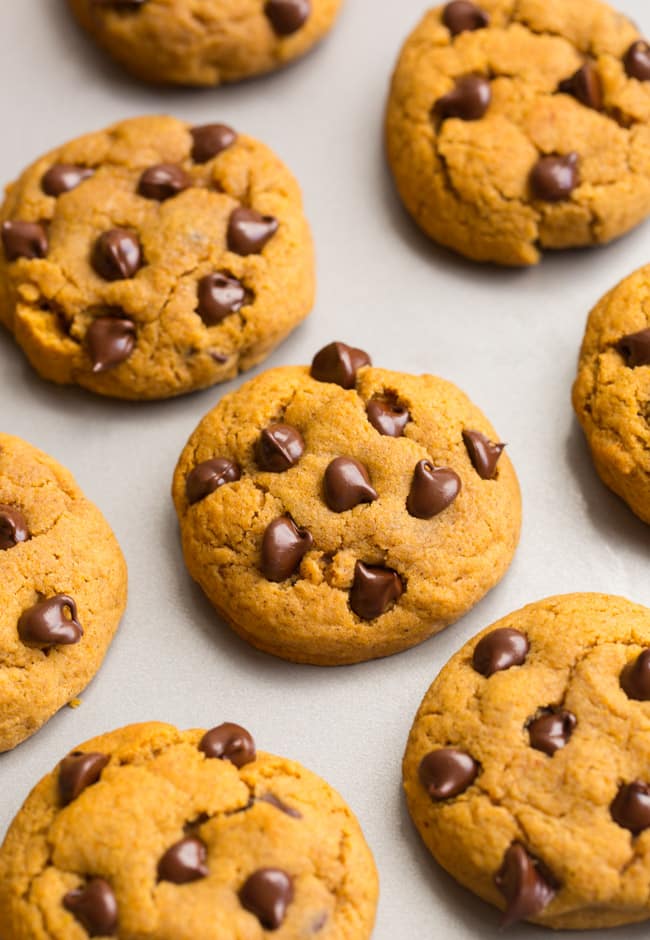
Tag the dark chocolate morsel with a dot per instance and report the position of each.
(95, 907)
(283, 547)
(346, 484)
(635, 348)
(339, 363)
(249, 231)
(78, 771)
(279, 447)
(526, 888)
(163, 181)
(275, 801)
(183, 862)
(63, 177)
(386, 417)
(447, 772)
(554, 177)
(45, 624)
(24, 240)
(13, 527)
(637, 60)
(374, 590)
(501, 649)
(460, 16)
(287, 16)
(267, 894)
(631, 807)
(468, 100)
(219, 295)
(208, 476)
(635, 678)
(229, 742)
(585, 85)
(551, 731)
(433, 489)
(117, 255)
(208, 140)
(483, 453)
(109, 341)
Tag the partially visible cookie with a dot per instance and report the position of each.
(515, 126)
(527, 771)
(154, 258)
(611, 394)
(344, 512)
(153, 832)
(62, 589)
(180, 42)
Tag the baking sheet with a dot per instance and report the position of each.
(508, 338)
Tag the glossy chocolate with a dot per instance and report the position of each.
(499, 650)
(13, 527)
(631, 807)
(267, 894)
(229, 742)
(24, 240)
(283, 547)
(525, 887)
(287, 16)
(550, 732)
(339, 363)
(461, 16)
(586, 86)
(279, 447)
(433, 489)
(219, 295)
(163, 181)
(249, 231)
(184, 862)
(78, 771)
(109, 341)
(346, 484)
(63, 177)
(117, 255)
(554, 177)
(374, 590)
(209, 140)
(635, 678)
(95, 907)
(46, 624)
(635, 348)
(637, 61)
(483, 453)
(387, 417)
(468, 100)
(208, 476)
(447, 772)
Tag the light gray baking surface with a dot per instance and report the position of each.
(508, 338)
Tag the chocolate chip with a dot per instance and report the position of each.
(208, 476)
(346, 484)
(24, 240)
(279, 447)
(183, 862)
(447, 773)
(501, 649)
(249, 231)
(553, 178)
(208, 140)
(62, 177)
(229, 742)
(635, 348)
(586, 86)
(551, 731)
(526, 888)
(374, 590)
(219, 295)
(631, 807)
(339, 363)
(635, 678)
(283, 547)
(461, 15)
(267, 894)
(287, 16)
(163, 181)
(109, 341)
(117, 255)
(13, 527)
(432, 490)
(95, 907)
(78, 771)
(275, 801)
(483, 453)
(637, 61)
(45, 624)
(468, 100)
(387, 418)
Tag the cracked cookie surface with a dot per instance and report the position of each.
(527, 771)
(172, 835)
(205, 42)
(346, 512)
(63, 589)
(611, 394)
(491, 157)
(154, 258)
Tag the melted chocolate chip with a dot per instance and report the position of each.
(208, 476)
(279, 447)
(45, 624)
(275, 801)
(468, 100)
(219, 295)
(63, 177)
(249, 231)
(501, 649)
(209, 140)
(433, 489)
(483, 453)
(283, 547)
(374, 590)
(551, 731)
(387, 418)
(229, 742)
(447, 772)
(163, 181)
(109, 341)
(13, 527)
(526, 888)
(553, 178)
(631, 807)
(95, 907)
(287, 16)
(78, 771)
(183, 862)
(339, 363)
(267, 894)
(586, 86)
(635, 678)
(461, 16)
(24, 240)
(117, 255)
(635, 348)
(637, 61)
(347, 484)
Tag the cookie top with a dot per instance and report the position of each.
(527, 770)
(611, 394)
(519, 125)
(345, 512)
(62, 589)
(151, 831)
(172, 41)
(154, 258)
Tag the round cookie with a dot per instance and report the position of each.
(214, 41)
(153, 832)
(154, 258)
(520, 125)
(527, 771)
(343, 513)
(611, 394)
(62, 589)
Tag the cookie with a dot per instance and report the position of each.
(62, 589)
(154, 258)
(527, 771)
(344, 512)
(175, 42)
(611, 394)
(153, 832)
(515, 126)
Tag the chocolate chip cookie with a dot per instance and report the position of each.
(520, 125)
(611, 394)
(182, 42)
(527, 771)
(153, 832)
(62, 587)
(341, 512)
(154, 258)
